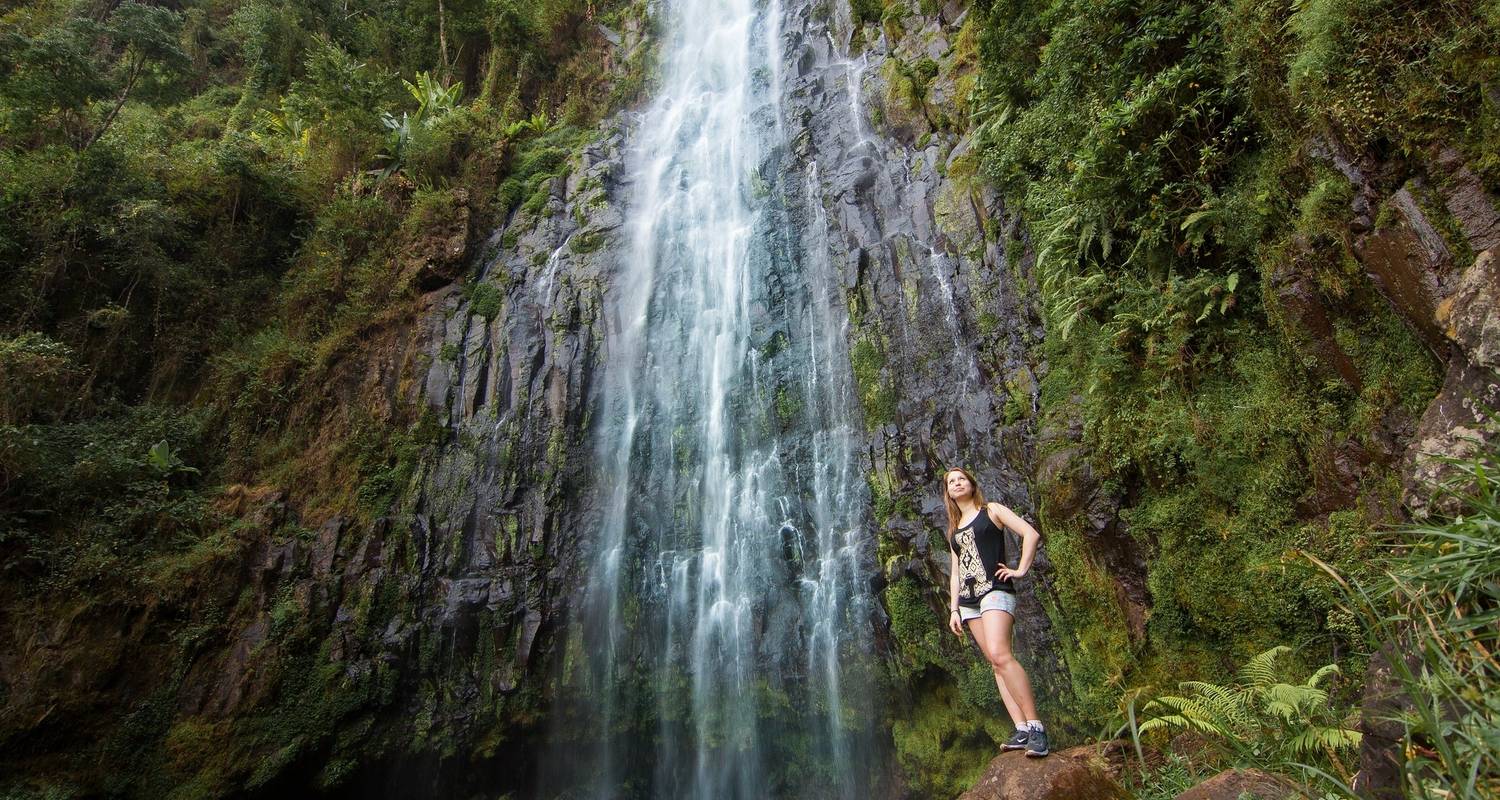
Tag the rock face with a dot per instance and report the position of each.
(1461, 420)
(1232, 784)
(1448, 301)
(937, 278)
(1075, 774)
(1452, 304)
(434, 637)
(1381, 760)
(420, 641)
(880, 192)
(396, 658)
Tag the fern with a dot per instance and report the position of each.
(1261, 719)
(1260, 671)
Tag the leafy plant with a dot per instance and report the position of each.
(434, 101)
(398, 137)
(282, 126)
(1438, 600)
(1261, 719)
(166, 462)
(535, 125)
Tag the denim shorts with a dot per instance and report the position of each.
(993, 600)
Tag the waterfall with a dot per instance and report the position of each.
(725, 645)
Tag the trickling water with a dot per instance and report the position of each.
(965, 357)
(727, 616)
(549, 275)
(940, 271)
(854, 78)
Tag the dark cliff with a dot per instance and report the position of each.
(1183, 388)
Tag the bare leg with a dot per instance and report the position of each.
(1011, 707)
(997, 627)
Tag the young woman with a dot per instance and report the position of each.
(981, 593)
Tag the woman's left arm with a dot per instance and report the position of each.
(1002, 516)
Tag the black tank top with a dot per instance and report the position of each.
(980, 547)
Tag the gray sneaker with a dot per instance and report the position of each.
(1017, 740)
(1036, 744)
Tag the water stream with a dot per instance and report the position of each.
(726, 626)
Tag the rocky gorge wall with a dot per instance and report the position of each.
(942, 327)
(421, 653)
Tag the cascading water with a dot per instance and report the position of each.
(726, 615)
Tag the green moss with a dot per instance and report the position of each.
(876, 395)
(866, 11)
(788, 405)
(775, 345)
(485, 300)
(955, 713)
(1163, 180)
(586, 242)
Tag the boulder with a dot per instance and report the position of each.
(1079, 773)
(1470, 317)
(1411, 265)
(1231, 784)
(1460, 421)
(1381, 760)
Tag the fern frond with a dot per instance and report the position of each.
(1286, 712)
(1186, 722)
(1300, 699)
(1226, 703)
(1325, 671)
(1317, 739)
(1260, 671)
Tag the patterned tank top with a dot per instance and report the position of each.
(981, 548)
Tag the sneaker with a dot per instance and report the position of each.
(1036, 744)
(1017, 741)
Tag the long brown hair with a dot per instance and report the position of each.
(954, 514)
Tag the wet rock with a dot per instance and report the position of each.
(939, 318)
(1456, 425)
(1307, 319)
(1075, 774)
(1381, 758)
(1232, 784)
(326, 552)
(1470, 316)
(1466, 199)
(465, 596)
(1450, 307)
(1337, 469)
(1461, 420)
(1410, 264)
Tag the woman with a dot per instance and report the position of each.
(981, 592)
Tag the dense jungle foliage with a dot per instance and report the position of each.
(208, 208)
(1165, 156)
(1174, 164)
(203, 208)
(211, 215)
